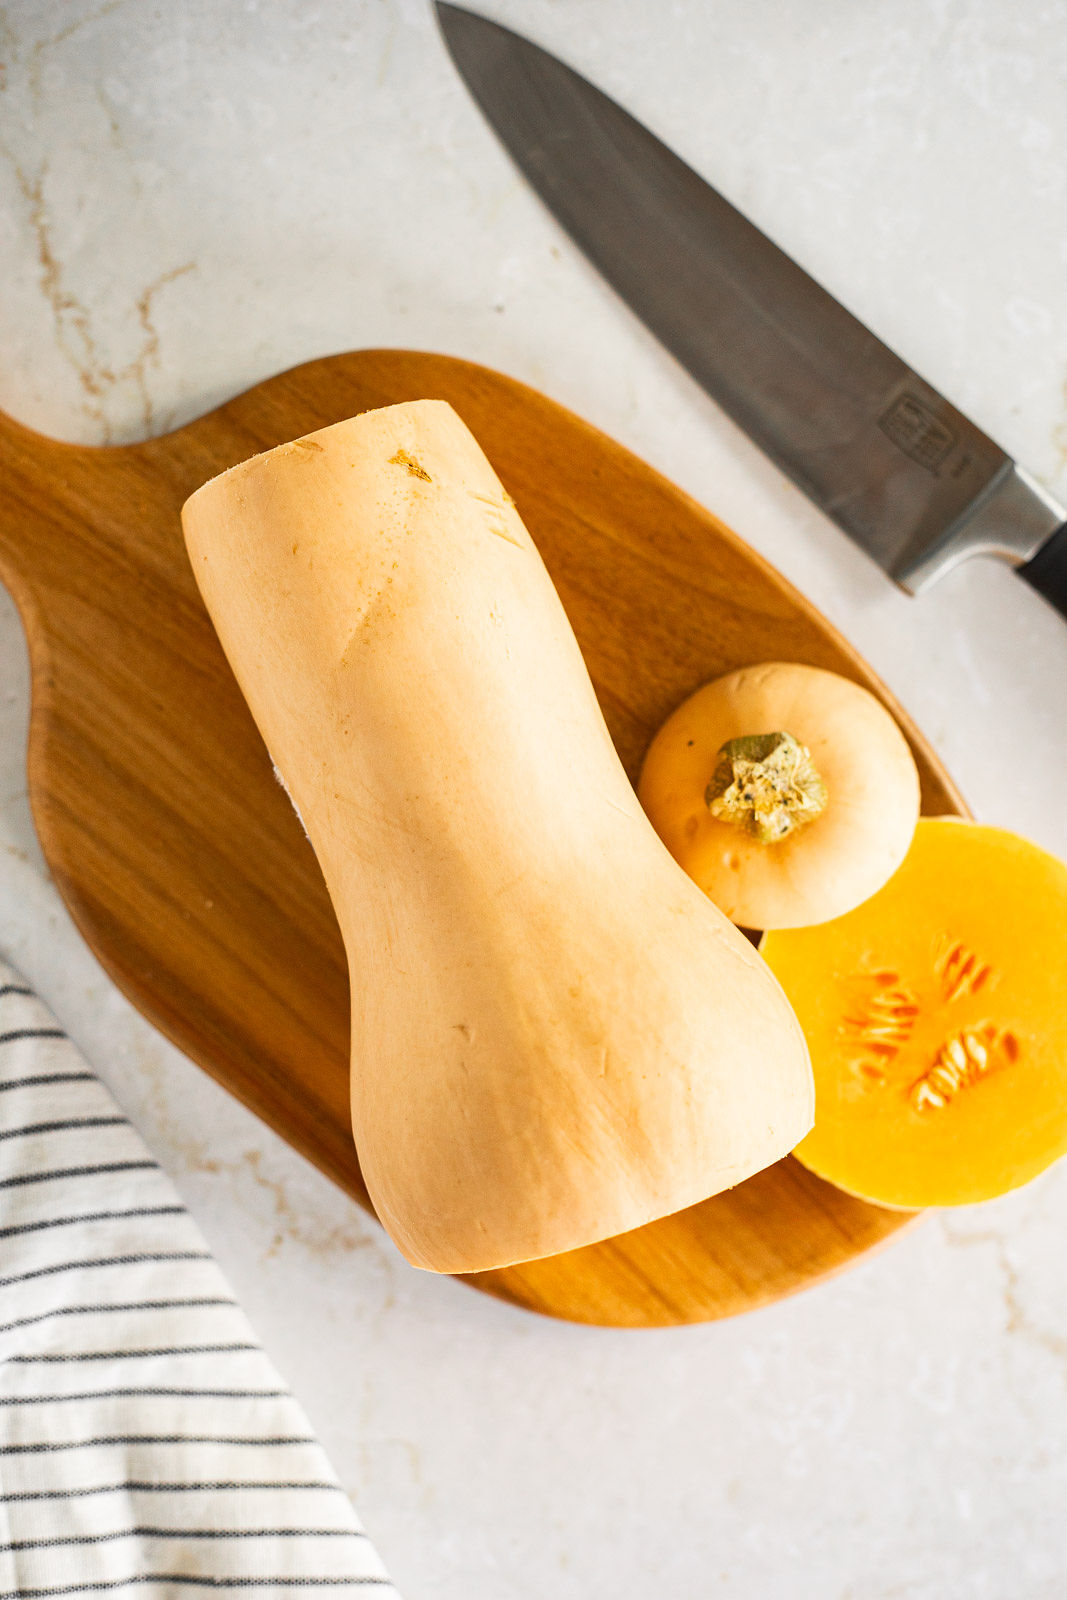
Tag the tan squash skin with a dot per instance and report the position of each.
(555, 1037)
(830, 864)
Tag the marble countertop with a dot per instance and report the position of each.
(195, 196)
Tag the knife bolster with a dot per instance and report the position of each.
(1012, 518)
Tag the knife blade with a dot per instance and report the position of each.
(911, 479)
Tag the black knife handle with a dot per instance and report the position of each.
(1047, 570)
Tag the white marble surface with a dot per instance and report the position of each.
(195, 195)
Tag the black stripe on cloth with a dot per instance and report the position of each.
(191, 1582)
(132, 1305)
(77, 1172)
(13, 988)
(183, 1533)
(135, 1355)
(148, 1486)
(31, 1033)
(47, 1077)
(64, 1126)
(45, 1446)
(106, 1261)
(92, 1216)
(145, 1394)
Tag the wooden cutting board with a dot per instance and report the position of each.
(185, 868)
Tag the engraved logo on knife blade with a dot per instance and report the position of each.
(915, 429)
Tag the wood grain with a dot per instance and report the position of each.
(185, 867)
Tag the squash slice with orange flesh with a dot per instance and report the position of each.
(936, 1016)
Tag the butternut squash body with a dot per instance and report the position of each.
(554, 1036)
(828, 865)
(935, 1015)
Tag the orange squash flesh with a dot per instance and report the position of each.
(936, 1016)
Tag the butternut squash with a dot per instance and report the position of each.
(936, 1019)
(788, 793)
(555, 1037)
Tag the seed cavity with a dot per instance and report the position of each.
(961, 971)
(960, 1063)
(883, 1014)
(880, 1022)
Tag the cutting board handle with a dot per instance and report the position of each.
(52, 493)
(12, 430)
(27, 467)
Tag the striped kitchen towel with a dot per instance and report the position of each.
(147, 1445)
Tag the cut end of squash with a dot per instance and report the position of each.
(936, 1022)
(788, 793)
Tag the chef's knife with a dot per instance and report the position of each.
(910, 478)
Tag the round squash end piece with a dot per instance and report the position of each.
(787, 792)
(936, 1021)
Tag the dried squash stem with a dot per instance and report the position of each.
(767, 784)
